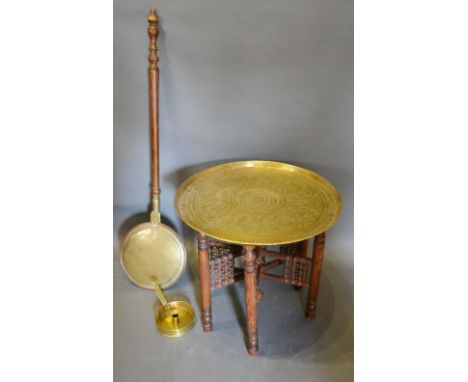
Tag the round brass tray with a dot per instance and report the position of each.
(258, 203)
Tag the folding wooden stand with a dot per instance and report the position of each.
(217, 270)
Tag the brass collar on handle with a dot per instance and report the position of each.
(155, 213)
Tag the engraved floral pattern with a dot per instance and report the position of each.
(260, 204)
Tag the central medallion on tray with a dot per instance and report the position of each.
(257, 201)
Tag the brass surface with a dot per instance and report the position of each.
(159, 293)
(173, 319)
(153, 251)
(258, 203)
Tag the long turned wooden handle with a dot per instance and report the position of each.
(153, 77)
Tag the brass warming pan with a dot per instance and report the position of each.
(152, 250)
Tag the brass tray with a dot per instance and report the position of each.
(258, 203)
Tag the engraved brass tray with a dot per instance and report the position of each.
(258, 203)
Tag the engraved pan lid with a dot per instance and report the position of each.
(258, 203)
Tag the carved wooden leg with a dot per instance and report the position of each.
(302, 253)
(250, 276)
(317, 259)
(204, 269)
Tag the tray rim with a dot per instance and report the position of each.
(257, 163)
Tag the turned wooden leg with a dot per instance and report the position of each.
(302, 253)
(259, 261)
(317, 259)
(204, 269)
(250, 276)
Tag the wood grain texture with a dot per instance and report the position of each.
(250, 280)
(153, 77)
(317, 260)
(204, 270)
(259, 262)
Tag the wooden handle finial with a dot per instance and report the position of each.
(153, 20)
(153, 77)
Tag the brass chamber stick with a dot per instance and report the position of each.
(175, 318)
